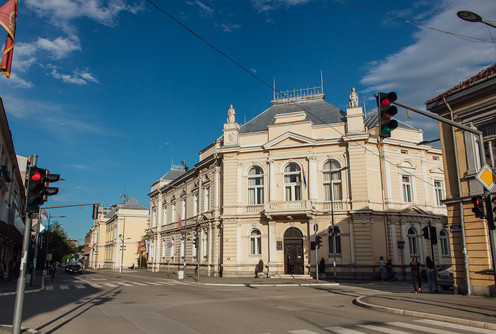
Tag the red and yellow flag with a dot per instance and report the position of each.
(8, 17)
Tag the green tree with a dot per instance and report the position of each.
(58, 243)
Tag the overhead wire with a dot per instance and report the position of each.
(273, 88)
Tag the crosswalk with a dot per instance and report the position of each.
(83, 284)
(417, 326)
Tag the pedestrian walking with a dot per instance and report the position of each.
(391, 273)
(431, 275)
(416, 280)
(382, 268)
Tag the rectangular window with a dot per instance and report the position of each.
(195, 204)
(206, 203)
(407, 188)
(183, 209)
(438, 189)
(165, 215)
(175, 218)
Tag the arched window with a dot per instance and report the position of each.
(255, 242)
(412, 241)
(293, 233)
(444, 241)
(337, 237)
(333, 188)
(255, 186)
(292, 182)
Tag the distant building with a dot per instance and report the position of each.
(115, 235)
(261, 190)
(12, 175)
(473, 103)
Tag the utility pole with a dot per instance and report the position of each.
(21, 281)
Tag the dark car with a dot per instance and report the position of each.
(75, 269)
(67, 267)
(445, 278)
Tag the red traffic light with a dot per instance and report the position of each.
(387, 99)
(36, 176)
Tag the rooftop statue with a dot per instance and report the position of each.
(353, 99)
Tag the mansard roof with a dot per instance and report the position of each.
(172, 174)
(318, 111)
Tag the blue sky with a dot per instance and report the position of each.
(109, 93)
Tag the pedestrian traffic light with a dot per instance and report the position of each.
(433, 234)
(425, 232)
(490, 211)
(318, 241)
(478, 208)
(35, 186)
(385, 112)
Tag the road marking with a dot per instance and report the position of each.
(64, 287)
(79, 286)
(382, 329)
(94, 285)
(420, 328)
(165, 283)
(139, 283)
(110, 285)
(49, 287)
(124, 283)
(462, 327)
(152, 283)
(302, 331)
(342, 330)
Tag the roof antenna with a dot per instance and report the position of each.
(274, 87)
(322, 81)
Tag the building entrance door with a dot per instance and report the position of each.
(293, 252)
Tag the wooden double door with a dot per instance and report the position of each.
(293, 257)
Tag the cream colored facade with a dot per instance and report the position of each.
(115, 236)
(258, 192)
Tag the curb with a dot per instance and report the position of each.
(27, 291)
(422, 315)
(269, 284)
(23, 329)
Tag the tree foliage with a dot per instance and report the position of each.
(58, 243)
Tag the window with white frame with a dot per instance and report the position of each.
(255, 186)
(174, 215)
(332, 181)
(255, 242)
(204, 244)
(292, 182)
(406, 184)
(337, 237)
(206, 199)
(183, 209)
(195, 204)
(412, 241)
(444, 241)
(154, 216)
(438, 189)
(165, 214)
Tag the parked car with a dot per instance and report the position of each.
(75, 269)
(67, 267)
(445, 278)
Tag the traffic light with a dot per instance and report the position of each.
(425, 232)
(433, 235)
(490, 211)
(50, 178)
(478, 208)
(95, 211)
(318, 241)
(36, 185)
(195, 242)
(385, 112)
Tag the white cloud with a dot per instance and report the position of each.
(205, 10)
(59, 47)
(77, 77)
(228, 27)
(435, 62)
(266, 5)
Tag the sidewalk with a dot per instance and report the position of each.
(395, 297)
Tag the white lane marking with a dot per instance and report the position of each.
(64, 287)
(49, 287)
(342, 330)
(152, 283)
(79, 286)
(124, 283)
(302, 331)
(382, 329)
(420, 328)
(138, 283)
(462, 327)
(110, 285)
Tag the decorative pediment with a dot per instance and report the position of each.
(414, 210)
(436, 170)
(203, 218)
(289, 139)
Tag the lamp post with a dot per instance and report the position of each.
(473, 17)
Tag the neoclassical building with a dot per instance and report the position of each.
(301, 168)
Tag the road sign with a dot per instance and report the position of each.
(170, 244)
(486, 177)
(455, 228)
(315, 227)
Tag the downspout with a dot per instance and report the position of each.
(460, 202)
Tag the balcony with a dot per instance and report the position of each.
(289, 208)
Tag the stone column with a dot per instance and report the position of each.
(272, 180)
(209, 248)
(312, 178)
(272, 241)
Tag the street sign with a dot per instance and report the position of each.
(315, 227)
(486, 177)
(170, 244)
(455, 228)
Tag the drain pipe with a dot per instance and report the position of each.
(460, 202)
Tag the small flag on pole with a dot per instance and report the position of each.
(8, 18)
(44, 215)
(180, 223)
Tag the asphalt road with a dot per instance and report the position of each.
(126, 303)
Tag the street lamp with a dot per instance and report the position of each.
(473, 17)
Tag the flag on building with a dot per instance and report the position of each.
(8, 18)
(44, 215)
(180, 222)
(304, 178)
(139, 247)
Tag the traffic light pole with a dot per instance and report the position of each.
(21, 281)
(432, 252)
